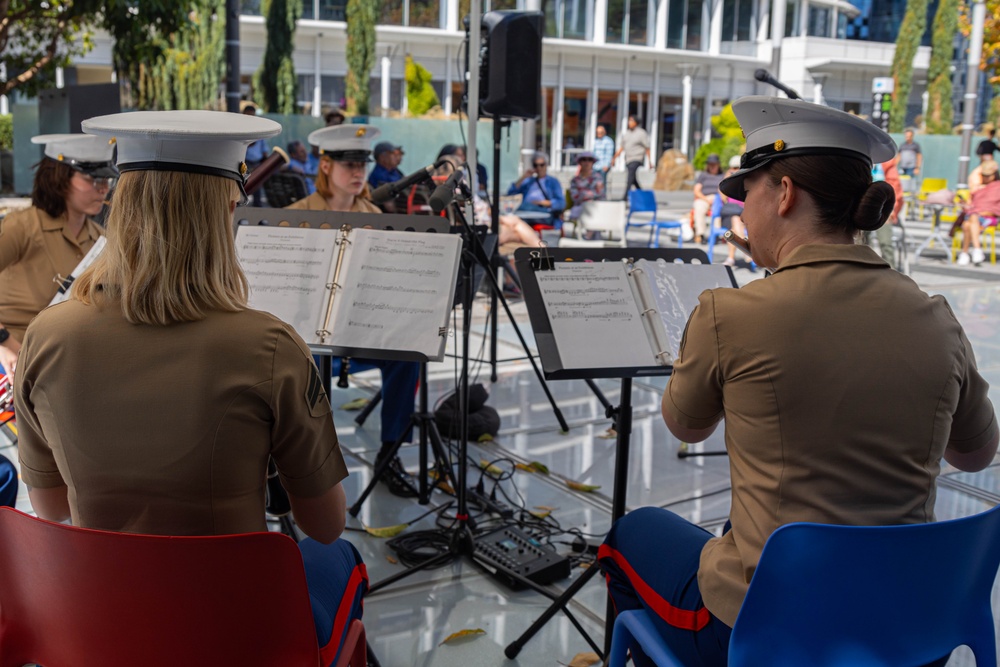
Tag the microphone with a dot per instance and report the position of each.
(764, 76)
(444, 194)
(388, 191)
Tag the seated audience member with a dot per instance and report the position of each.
(975, 179)
(587, 185)
(985, 203)
(807, 440)
(732, 209)
(705, 186)
(341, 186)
(460, 153)
(387, 159)
(298, 162)
(334, 117)
(168, 294)
(542, 193)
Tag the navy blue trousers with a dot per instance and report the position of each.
(337, 582)
(399, 390)
(8, 483)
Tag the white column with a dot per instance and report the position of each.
(600, 21)
(593, 100)
(624, 106)
(817, 92)
(804, 18)
(447, 80)
(924, 99)
(685, 112)
(60, 82)
(660, 38)
(471, 151)
(386, 82)
(4, 102)
(777, 34)
(706, 111)
(654, 115)
(449, 9)
(318, 79)
(558, 113)
(715, 28)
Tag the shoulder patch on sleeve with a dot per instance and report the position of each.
(316, 398)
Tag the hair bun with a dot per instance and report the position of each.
(875, 207)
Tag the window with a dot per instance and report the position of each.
(628, 22)
(819, 22)
(250, 7)
(694, 25)
(418, 13)
(332, 92)
(332, 10)
(675, 24)
(566, 19)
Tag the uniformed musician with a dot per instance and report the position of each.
(341, 185)
(41, 245)
(152, 400)
(842, 384)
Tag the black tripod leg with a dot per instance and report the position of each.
(372, 404)
(599, 394)
(560, 603)
(380, 470)
(440, 559)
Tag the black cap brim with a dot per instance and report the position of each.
(732, 185)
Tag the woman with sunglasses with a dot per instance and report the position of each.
(41, 245)
(542, 193)
(341, 185)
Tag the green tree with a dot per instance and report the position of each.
(940, 116)
(361, 18)
(910, 33)
(727, 139)
(191, 64)
(420, 94)
(36, 37)
(274, 82)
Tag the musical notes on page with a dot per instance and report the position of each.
(592, 310)
(288, 269)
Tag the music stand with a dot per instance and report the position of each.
(527, 264)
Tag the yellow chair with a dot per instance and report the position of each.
(928, 186)
(956, 242)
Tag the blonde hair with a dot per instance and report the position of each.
(170, 255)
(323, 182)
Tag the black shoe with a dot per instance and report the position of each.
(396, 479)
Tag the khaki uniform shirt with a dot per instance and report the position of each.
(316, 202)
(168, 429)
(841, 383)
(36, 253)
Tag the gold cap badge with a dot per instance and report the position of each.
(361, 132)
(243, 168)
(779, 145)
(60, 157)
(112, 141)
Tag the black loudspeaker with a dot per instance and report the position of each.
(61, 110)
(510, 80)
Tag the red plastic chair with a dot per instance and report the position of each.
(91, 598)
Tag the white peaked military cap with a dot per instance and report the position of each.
(776, 128)
(349, 143)
(83, 152)
(199, 142)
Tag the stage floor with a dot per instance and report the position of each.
(408, 621)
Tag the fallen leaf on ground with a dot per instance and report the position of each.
(461, 634)
(485, 437)
(392, 560)
(489, 467)
(388, 531)
(583, 660)
(610, 434)
(356, 404)
(580, 486)
(540, 514)
(539, 467)
(446, 487)
(524, 466)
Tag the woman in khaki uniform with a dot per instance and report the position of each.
(345, 151)
(842, 384)
(197, 391)
(41, 245)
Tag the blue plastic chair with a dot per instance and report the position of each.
(644, 201)
(715, 228)
(851, 596)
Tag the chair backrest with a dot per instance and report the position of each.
(846, 595)
(284, 188)
(641, 201)
(71, 596)
(607, 217)
(933, 185)
(716, 206)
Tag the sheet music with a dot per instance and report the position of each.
(675, 289)
(397, 291)
(288, 269)
(594, 316)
